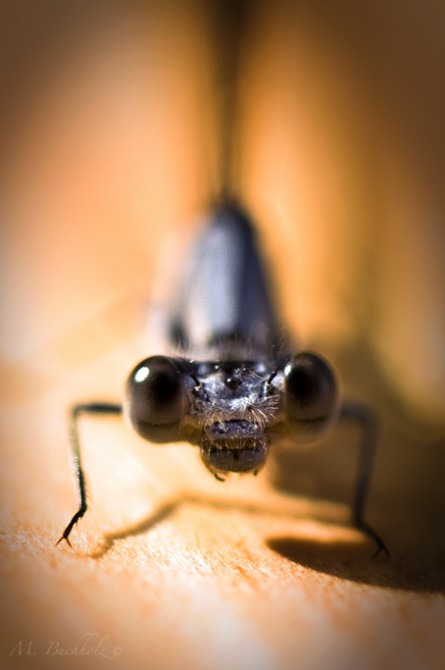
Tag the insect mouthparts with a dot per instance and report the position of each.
(232, 430)
(234, 455)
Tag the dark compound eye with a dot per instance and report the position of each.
(156, 399)
(311, 394)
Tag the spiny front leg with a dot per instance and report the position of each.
(94, 408)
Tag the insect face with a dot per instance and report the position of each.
(228, 407)
(234, 405)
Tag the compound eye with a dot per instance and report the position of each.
(311, 393)
(156, 399)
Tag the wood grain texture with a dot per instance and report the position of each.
(171, 568)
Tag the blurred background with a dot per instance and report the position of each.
(118, 120)
(119, 124)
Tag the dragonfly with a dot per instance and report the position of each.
(236, 384)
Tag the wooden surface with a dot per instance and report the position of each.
(108, 161)
(172, 569)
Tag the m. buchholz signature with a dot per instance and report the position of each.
(90, 644)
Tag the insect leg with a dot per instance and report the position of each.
(366, 420)
(75, 412)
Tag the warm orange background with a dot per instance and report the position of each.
(110, 143)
